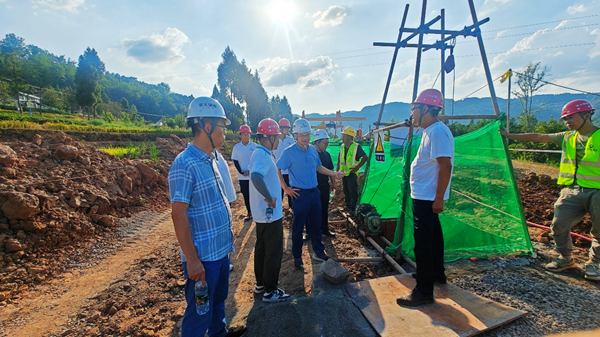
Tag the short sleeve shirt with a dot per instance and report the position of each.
(194, 179)
(226, 176)
(242, 154)
(327, 163)
(263, 163)
(301, 165)
(283, 144)
(558, 138)
(437, 141)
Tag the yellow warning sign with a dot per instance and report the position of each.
(379, 152)
(379, 147)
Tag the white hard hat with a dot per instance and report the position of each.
(301, 125)
(320, 134)
(202, 107)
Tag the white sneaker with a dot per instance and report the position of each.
(278, 295)
(230, 267)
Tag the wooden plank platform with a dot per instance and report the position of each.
(456, 312)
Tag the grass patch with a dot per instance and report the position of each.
(134, 151)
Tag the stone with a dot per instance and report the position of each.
(67, 152)
(8, 156)
(37, 140)
(334, 272)
(149, 175)
(75, 201)
(127, 184)
(107, 221)
(20, 206)
(13, 245)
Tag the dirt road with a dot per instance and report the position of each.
(51, 307)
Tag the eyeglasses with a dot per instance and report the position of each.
(415, 107)
(223, 127)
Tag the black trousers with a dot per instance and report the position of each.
(350, 185)
(324, 190)
(286, 178)
(429, 245)
(245, 189)
(268, 252)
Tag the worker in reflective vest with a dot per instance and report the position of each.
(351, 158)
(580, 174)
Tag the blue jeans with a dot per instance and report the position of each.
(217, 278)
(307, 210)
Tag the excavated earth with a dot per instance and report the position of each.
(87, 248)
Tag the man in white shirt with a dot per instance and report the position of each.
(430, 175)
(285, 140)
(241, 158)
(268, 214)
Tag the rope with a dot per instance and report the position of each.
(515, 217)
(558, 85)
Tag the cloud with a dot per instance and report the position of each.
(576, 9)
(333, 16)
(279, 72)
(67, 5)
(157, 48)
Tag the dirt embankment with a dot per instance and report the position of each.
(57, 195)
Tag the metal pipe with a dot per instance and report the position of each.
(377, 247)
(484, 59)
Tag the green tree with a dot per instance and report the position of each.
(529, 82)
(13, 52)
(124, 104)
(90, 69)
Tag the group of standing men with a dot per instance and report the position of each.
(203, 222)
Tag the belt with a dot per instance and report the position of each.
(306, 189)
(581, 188)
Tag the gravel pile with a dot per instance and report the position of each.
(556, 303)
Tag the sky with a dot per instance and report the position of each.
(319, 54)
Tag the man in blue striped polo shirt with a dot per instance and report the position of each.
(202, 219)
(302, 162)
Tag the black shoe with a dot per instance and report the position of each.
(237, 332)
(248, 217)
(328, 233)
(298, 264)
(436, 279)
(415, 298)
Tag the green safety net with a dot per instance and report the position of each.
(483, 217)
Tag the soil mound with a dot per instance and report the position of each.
(57, 194)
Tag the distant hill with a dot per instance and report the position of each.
(399, 111)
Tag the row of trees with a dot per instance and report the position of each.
(240, 91)
(84, 86)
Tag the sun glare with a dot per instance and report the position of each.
(281, 10)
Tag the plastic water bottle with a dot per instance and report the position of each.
(202, 302)
(269, 214)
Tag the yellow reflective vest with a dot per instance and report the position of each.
(587, 172)
(346, 164)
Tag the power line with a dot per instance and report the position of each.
(558, 85)
(540, 23)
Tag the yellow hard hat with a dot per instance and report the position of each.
(349, 131)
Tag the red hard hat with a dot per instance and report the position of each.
(573, 107)
(430, 97)
(284, 122)
(245, 129)
(268, 127)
